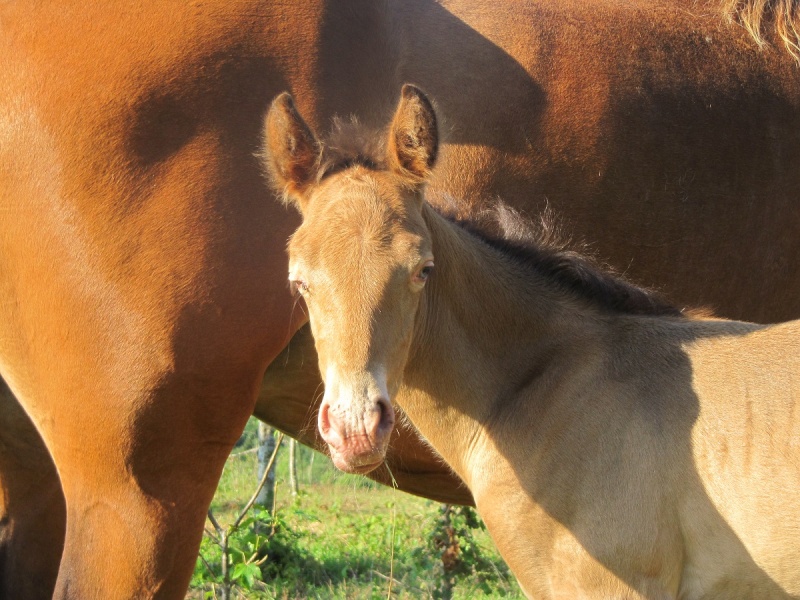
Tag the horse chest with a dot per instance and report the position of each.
(587, 557)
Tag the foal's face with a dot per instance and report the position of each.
(361, 260)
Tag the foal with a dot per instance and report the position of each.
(614, 448)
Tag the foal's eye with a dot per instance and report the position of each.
(298, 287)
(422, 275)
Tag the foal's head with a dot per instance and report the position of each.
(360, 260)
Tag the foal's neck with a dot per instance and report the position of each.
(487, 327)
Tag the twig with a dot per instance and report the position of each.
(398, 582)
(211, 535)
(389, 578)
(260, 483)
(205, 562)
(394, 521)
(391, 558)
(223, 534)
(214, 522)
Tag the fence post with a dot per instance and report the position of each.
(266, 447)
(293, 466)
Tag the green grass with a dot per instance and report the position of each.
(345, 537)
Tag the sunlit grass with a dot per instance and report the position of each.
(343, 536)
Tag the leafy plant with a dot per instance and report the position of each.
(240, 561)
(346, 538)
(461, 557)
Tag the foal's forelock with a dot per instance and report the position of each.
(351, 144)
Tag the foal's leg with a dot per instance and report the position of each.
(32, 512)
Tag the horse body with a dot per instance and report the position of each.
(142, 289)
(615, 447)
(122, 335)
(635, 471)
(746, 447)
(600, 75)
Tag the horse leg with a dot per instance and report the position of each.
(32, 509)
(137, 489)
(32, 512)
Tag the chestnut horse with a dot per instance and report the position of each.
(142, 290)
(614, 447)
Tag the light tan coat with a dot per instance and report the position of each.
(614, 447)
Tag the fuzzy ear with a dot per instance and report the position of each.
(413, 135)
(292, 152)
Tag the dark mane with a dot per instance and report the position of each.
(542, 247)
(534, 245)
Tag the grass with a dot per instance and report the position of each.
(344, 536)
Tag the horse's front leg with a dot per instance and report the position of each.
(138, 483)
(139, 391)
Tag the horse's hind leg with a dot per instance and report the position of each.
(32, 512)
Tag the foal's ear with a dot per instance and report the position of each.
(292, 152)
(413, 135)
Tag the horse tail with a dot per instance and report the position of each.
(756, 15)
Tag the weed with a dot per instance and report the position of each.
(345, 537)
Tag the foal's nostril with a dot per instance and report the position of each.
(386, 415)
(323, 418)
(329, 428)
